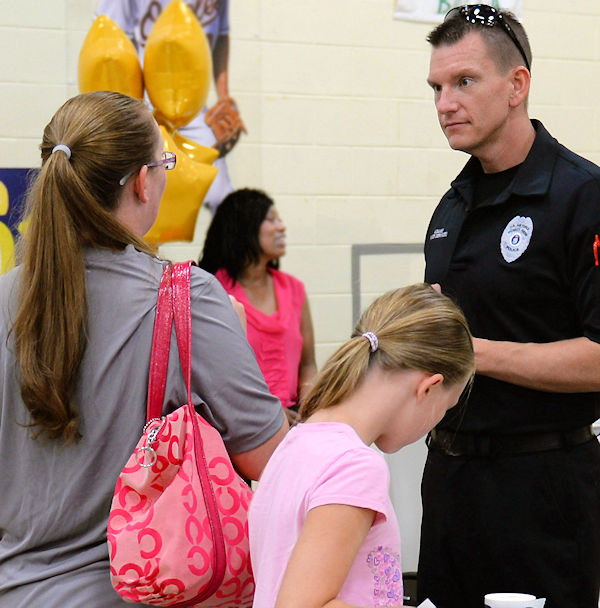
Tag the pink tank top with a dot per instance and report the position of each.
(276, 339)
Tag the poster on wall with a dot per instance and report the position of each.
(13, 186)
(433, 11)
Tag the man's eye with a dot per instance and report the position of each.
(465, 82)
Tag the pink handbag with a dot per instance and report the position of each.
(178, 529)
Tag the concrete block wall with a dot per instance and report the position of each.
(342, 134)
(39, 46)
(342, 129)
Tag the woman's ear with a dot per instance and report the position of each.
(427, 383)
(140, 186)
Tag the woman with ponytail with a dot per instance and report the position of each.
(323, 532)
(76, 324)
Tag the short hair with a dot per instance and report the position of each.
(232, 237)
(500, 45)
(417, 328)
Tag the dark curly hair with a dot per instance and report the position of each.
(232, 238)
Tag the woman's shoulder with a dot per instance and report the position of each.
(128, 261)
(289, 283)
(231, 286)
(285, 277)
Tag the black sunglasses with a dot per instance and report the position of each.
(488, 16)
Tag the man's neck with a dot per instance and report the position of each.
(511, 149)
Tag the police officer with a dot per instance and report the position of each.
(511, 488)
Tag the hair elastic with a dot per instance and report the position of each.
(64, 148)
(373, 340)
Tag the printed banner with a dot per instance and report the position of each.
(433, 11)
(13, 186)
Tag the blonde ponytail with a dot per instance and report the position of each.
(416, 328)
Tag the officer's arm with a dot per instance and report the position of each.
(567, 366)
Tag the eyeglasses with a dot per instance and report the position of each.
(488, 16)
(168, 161)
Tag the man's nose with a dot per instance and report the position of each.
(446, 101)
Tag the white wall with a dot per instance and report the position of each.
(342, 132)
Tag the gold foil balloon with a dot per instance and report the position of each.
(196, 151)
(108, 61)
(177, 74)
(177, 66)
(187, 186)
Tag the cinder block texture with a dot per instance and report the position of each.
(342, 131)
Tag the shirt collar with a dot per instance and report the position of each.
(532, 178)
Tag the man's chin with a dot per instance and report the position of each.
(457, 143)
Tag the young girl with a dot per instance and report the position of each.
(323, 532)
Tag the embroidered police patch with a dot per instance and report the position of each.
(438, 233)
(515, 238)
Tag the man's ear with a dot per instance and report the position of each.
(521, 79)
(140, 185)
(427, 383)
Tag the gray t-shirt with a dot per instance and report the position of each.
(54, 500)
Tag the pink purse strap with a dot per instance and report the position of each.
(181, 307)
(181, 299)
(174, 303)
(161, 345)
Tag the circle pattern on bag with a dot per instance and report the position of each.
(162, 549)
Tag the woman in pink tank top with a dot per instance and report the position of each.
(243, 245)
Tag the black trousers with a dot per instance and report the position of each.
(527, 523)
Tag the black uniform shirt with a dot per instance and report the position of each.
(521, 265)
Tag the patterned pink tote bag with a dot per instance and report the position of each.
(178, 530)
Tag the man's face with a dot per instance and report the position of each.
(471, 95)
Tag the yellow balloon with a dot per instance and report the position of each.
(196, 151)
(177, 66)
(108, 61)
(187, 186)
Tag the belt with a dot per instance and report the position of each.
(477, 444)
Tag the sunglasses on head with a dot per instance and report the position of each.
(487, 16)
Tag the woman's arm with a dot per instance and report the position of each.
(251, 464)
(308, 366)
(227, 386)
(323, 555)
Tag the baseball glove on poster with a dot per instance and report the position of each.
(226, 124)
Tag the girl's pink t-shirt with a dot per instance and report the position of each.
(275, 339)
(321, 464)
